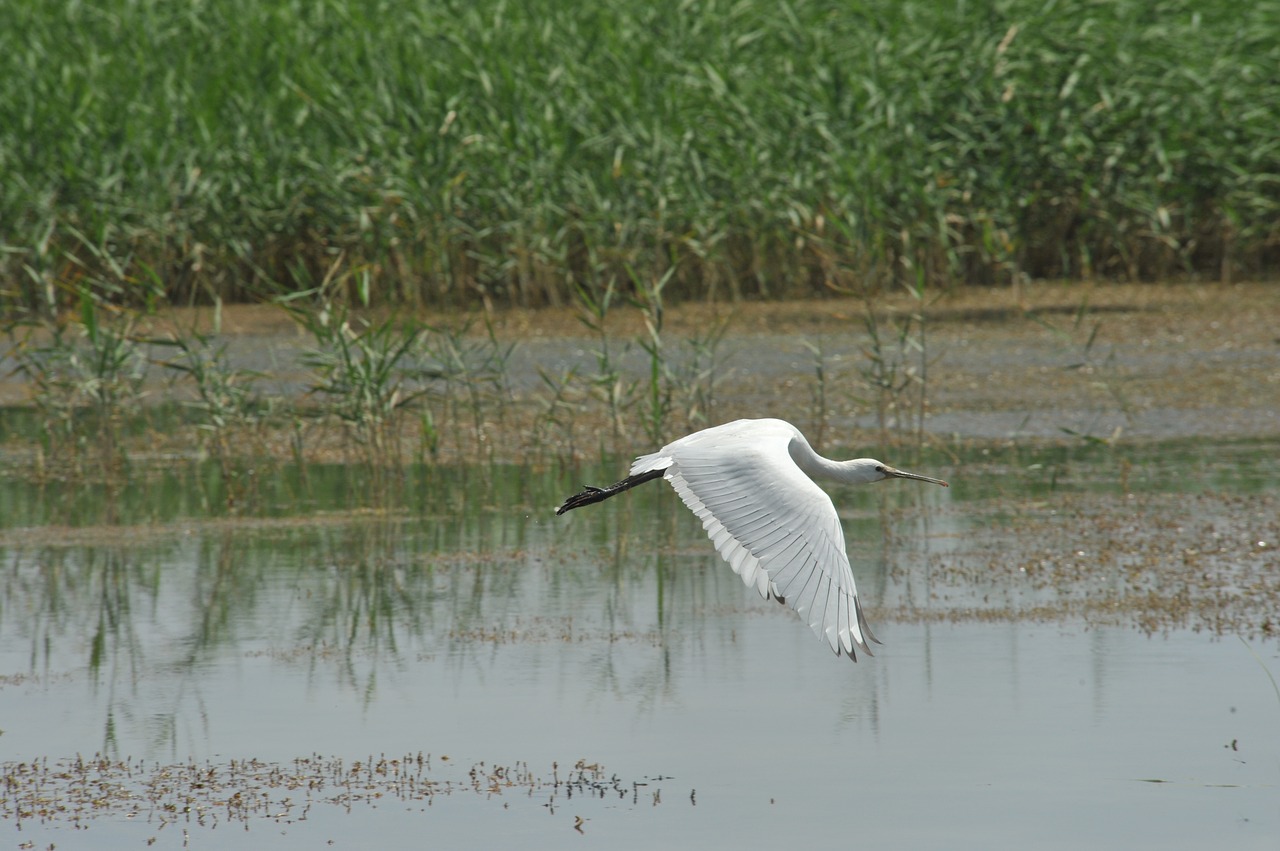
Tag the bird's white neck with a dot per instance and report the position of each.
(859, 471)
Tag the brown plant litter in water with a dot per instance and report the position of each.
(1206, 561)
(244, 792)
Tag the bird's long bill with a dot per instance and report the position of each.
(903, 474)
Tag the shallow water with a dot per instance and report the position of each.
(519, 672)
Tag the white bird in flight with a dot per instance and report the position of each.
(749, 482)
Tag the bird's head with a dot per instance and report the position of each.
(872, 470)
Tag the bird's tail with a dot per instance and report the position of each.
(658, 461)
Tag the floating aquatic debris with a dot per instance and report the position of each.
(77, 790)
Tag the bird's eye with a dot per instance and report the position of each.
(879, 468)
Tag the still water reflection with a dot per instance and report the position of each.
(471, 624)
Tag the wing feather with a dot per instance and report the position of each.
(831, 616)
(804, 599)
(773, 525)
(843, 631)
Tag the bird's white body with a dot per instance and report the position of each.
(777, 529)
(749, 482)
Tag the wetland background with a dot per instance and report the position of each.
(313, 312)
(234, 596)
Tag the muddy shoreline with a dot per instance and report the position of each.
(1051, 362)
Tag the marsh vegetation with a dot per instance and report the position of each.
(518, 154)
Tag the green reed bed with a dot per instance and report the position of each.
(457, 152)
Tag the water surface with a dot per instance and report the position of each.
(456, 666)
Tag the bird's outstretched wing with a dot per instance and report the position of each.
(777, 529)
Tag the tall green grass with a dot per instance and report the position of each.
(510, 152)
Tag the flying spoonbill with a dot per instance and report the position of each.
(749, 481)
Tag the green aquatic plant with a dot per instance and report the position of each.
(228, 409)
(895, 360)
(656, 389)
(818, 390)
(361, 371)
(1100, 369)
(86, 382)
(695, 378)
(467, 376)
(607, 383)
(553, 430)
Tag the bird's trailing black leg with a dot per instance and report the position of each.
(590, 494)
